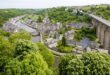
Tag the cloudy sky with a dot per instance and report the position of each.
(47, 3)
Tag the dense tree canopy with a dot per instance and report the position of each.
(96, 63)
(71, 65)
(32, 64)
(92, 63)
(23, 47)
(85, 32)
(20, 56)
(20, 35)
(100, 10)
(47, 55)
(6, 51)
(66, 16)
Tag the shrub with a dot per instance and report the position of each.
(85, 32)
(47, 55)
(3, 33)
(19, 35)
(23, 47)
(6, 52)
(91, 63)
(96, 63)
(32, 64)
(65, 49)
(71, 65)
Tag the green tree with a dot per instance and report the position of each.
(19, 35)
(71, 65)
(96, 63)
(23, 47)
(3, 33)
(91, 63)
(63, 41)
(6, 51)
(47, 55)
(39, 19)
(32, 64)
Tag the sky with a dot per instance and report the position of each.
(48, 3)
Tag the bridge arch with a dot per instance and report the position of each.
(102, 30)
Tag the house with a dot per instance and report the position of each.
(9, 27)
(69, 35)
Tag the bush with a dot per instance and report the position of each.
(96, 63)
(91, 63)
(6, 52)
(23, 47)
(47, 55)
(85, 32)
(32, 64)
(65, 49)
(3, 33)
(20, 35)
(71, 65)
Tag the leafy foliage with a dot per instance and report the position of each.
(100, 10)
(32, 64)
(91, 63)
(47, 55)
(23, 47)
(5, 14)
(6, 51)
(3, 33)
(24, 58)
(19, 56)
(40, 19)
(66, 16)
(71, 65)
(96, 63)
(63, 47)
(19, 35)
(85, 33)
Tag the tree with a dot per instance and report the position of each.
(96, 63)
(63, 41)
(6, 52)
(19, 35)
(91, 63)
(32, 64)
(39, 19)
(23, 47)
(71, 65)
(3, 33)
(47, 55)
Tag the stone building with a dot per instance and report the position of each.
(9, 27)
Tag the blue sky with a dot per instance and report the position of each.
(47, 3)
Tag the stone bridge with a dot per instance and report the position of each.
(102, 30)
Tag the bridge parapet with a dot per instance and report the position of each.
(100, 20)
